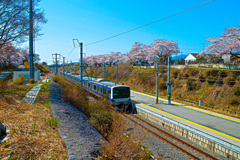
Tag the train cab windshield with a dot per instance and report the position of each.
(121, 92)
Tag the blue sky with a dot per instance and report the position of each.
(92, 20)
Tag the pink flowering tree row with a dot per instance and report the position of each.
(10, 55)
(228, 43)
(158, 51)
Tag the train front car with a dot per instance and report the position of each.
(120, 95)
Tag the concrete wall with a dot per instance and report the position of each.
(17, 74)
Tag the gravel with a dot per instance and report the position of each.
(81, 139)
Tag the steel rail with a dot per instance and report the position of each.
(172, 136)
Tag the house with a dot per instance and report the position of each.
(236, 59)
(226, 58)
(191, 58)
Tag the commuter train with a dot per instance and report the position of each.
(118, 94)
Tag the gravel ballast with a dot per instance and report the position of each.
(82, 140)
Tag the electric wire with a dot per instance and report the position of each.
(148, 24)
(70, 52)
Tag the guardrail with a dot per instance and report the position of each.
(205, 140)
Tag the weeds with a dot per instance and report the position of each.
(20, 80)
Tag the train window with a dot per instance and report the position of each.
(121, 92)
(101, 90)
(94, 87)
(88, 85)
(104, 90)
(98, 88)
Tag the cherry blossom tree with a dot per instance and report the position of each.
(161, 49)
(228, 43)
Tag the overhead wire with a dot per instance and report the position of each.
(148, 24)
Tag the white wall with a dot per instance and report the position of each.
(17, 74)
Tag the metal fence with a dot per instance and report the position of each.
(205, 140)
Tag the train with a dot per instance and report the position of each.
(117, 94)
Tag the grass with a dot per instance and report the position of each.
(33, 130)
(221, 94)
(106, 120)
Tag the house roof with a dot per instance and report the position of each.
(194, 54)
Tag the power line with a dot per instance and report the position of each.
(148, 24)
(70, 52)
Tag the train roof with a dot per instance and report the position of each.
(99, 81)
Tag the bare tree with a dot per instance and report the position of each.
(14, 21)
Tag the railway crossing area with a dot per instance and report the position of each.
(217, 132)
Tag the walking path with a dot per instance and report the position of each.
(32, 94)
(82, 140)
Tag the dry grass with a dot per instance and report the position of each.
(140, 79)
(106, 120)
(33, 131)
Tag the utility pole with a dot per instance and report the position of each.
(91, 73)
(75, 68)
(81, 59)
(31, 65)
(55, 60)
(157, 85)
(117, 74)
(169, 84)
(64, 65)
(103, 70)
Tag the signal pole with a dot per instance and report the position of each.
(31, 65)
(157, 85)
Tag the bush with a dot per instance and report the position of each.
(175, 74)
(201, 78)
(191, 85)
(212, 72)
(211, 80)
(235, 74)
(193, 72)
(185, 75)
(20, 80)
(162, 86)
(236, 91)
(219, 82)
(31, 81)
(223, 74)
(230, 81)
(234, 102)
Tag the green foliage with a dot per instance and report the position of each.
(191, 85)
(42, 68)
(20, 80)
(31, 81)
(162, 86)
(236, 91)
(53, 122)
(230, 81)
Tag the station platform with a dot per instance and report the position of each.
(218, 125)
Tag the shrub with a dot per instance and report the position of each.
(31, 81)
(175, 74)
(191, 85)
(185, 75)
(20, 80)
(223, 74)
(211, 72)
(236, 91)
(162, 86)
(219, 82)
(235, 74)
(230, 81)
(211, 80)
(234, 102)
(193, 72)
(164, 77)
(202, 78)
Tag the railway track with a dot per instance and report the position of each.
(189, 149)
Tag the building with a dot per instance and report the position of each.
(191, 58)
(226, 58)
